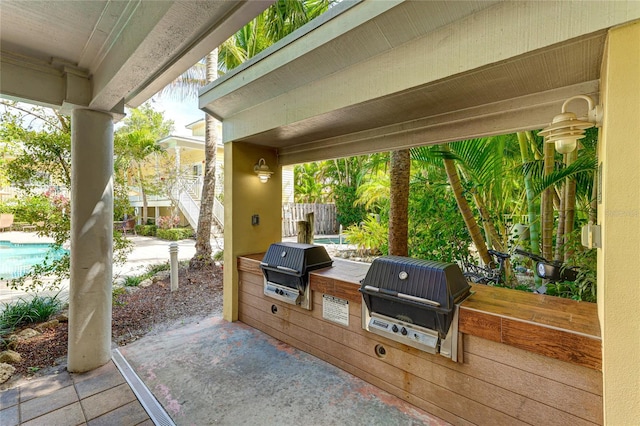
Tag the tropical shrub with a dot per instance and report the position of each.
(370, 236)
(348, 213)
(168, 222)
(436, 228)
(23, 312)
(585, 261)
(146, 230)
(174, 234)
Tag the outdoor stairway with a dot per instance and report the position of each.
(187, 194)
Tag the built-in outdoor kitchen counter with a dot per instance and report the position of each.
(525, 358)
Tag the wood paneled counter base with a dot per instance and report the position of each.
(528, 359)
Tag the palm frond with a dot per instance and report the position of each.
(582, 170)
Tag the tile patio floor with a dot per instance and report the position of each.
(99, 397)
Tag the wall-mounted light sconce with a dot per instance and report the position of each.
(262, 170)
(566, 128)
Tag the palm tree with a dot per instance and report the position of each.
(399, 171)
(282, 18)
(202, 256)
(140, 144)
(136, 141)
(465, 209)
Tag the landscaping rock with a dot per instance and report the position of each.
(10, 357)
(49, 324)
(161, 275)
(25, 334)
(6, 371)
(62, 317)
(119, 281)
(145, 283)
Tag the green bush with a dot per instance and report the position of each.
(23, 312)
(218, 256)
(146, 230)
(154, 269)
(133, 281)
(371, 236)
(348, 213)
(174, 234)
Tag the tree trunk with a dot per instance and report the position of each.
(465, 210)
(399, 170)
(547, 203)
(560, 231)
(532, 208)
(202, 256)
(305, 232)
(570, 207)
(145, 203)
(312, 227)
(493, 237)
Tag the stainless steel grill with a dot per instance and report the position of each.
(286, 268)
(415, 302)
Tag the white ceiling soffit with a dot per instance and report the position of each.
(103, 54)
(373, 78)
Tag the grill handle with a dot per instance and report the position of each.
(284, 268)
(401, 295)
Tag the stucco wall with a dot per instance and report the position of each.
(619, 215)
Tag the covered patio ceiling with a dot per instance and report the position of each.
(105, 54)
(371, 77)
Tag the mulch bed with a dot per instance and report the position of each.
(135, 313)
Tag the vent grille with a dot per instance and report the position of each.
(158, 415)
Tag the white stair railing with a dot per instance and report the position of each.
(187, 194)
(218, 211)
(187, 205)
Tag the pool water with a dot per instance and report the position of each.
(16, 259)
(329, 240)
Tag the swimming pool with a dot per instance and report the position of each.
(330, 240)
(16, 259)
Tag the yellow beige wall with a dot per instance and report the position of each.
(246, 196)
(191, 157)
(619, 216)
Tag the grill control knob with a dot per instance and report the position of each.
(403, 331)
(394, 328)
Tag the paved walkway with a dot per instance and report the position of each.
(146, 251)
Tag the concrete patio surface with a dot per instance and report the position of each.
(216, 372)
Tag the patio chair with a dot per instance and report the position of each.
(129, 225)
(32, 227)
(6, 220)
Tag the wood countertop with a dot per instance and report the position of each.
(555, 327)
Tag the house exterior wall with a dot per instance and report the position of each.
(619, 216)
(244, 191)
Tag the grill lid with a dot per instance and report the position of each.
(416, 291)
(441, 283)
(295, 258)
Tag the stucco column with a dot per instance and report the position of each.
(619, 216)
(91, 240)
(245, 196)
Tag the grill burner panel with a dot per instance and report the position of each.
(415, 302)
(286, 268)
(409, 334)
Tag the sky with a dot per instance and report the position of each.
(181, 112)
